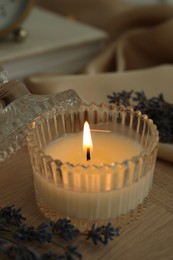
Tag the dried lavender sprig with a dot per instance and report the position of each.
(14, 245)
(71, 253)
(17, 251)
(160, 111)
(22, 233)
(102, 234)
(120, 97)
(41, 234)
(11, 215)
(65, 229)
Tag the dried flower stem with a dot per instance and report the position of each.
(48, 232)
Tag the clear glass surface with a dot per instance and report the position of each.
(115, 192)
(18, 107)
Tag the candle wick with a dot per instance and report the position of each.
(88, 156)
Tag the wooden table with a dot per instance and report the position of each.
(150, 237)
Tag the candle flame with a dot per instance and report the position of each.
(87, 140)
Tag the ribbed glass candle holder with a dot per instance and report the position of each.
(89, 192)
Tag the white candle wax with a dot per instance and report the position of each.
(108, 147)
(93, 205)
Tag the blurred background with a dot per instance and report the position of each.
(99, 13)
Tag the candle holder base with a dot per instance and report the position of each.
(86, 224)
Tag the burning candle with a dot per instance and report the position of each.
(97, 176)
(106, 148)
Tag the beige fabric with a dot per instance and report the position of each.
(140, 39)
(99, 13)
(140, 35)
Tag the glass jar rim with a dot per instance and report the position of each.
(120, 108)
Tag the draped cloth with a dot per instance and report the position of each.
(139, 39)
